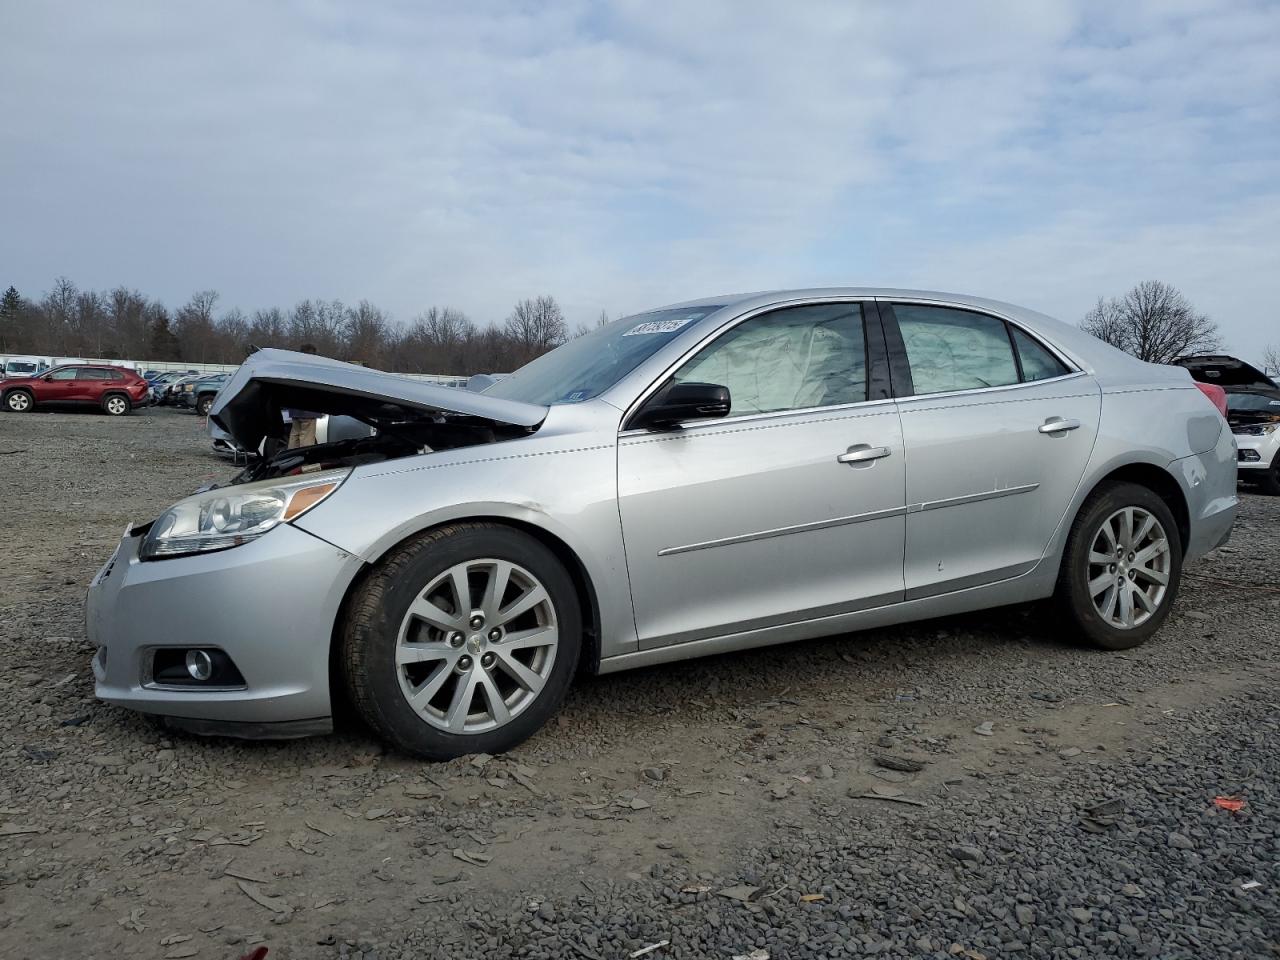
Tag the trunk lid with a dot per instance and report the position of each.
(251, 404)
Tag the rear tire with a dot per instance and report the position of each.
(203, 405)
(19, 401)
(1119, 577)
(116, 405)
(440, 675)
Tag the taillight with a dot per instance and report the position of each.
(1217, 396)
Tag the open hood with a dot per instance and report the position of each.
(1226, 371)
(251, 404)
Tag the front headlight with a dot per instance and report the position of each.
(231, 516)
(1257, 429)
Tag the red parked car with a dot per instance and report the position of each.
(113, 390)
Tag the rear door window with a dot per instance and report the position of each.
(953, 350)
(91, 373)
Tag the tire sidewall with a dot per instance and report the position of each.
(8, 398)
(1074, 584)
(203, 405)
(381, 696)
(106, 404)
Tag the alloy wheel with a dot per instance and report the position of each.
(477, 646)
(1129, 568)
(116, 406)
(18, 402)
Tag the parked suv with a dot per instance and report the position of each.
(1253, 410)
(114, 390)
(198, 394)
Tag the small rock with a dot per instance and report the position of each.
(546, 912)
(1070, 752)
(1026, 916)
(1180, 842)
(984, 729)
(966, 853)
(901, 764)
(654, 773)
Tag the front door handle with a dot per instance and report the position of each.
(862, 453)
(1058, 425)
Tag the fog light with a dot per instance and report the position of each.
(199, 665)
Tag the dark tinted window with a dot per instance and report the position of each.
(955, 349)
(1037, 362)
(93, 373)
(812, 356)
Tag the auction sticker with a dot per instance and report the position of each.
(661, 326)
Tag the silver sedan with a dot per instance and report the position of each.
(703, 478)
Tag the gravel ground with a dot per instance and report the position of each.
(1050, 801)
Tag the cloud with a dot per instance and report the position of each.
(629, 154)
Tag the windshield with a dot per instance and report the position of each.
(19, 369)
(589, 365)
(1253, 401)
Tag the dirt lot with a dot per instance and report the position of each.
(729, 805)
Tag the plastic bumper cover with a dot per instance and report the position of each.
(1208, 482)
(270, 605)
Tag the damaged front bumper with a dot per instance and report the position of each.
(269, 606)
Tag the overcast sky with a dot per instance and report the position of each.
(624, 155)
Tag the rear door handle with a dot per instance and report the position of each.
(862, 453)
(1058, 425)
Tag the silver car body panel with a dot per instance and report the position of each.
(725, 534)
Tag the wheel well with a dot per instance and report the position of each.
(588, 657)
(1160, 482)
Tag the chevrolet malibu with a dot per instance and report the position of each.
(704, 478)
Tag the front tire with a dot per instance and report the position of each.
(203, 405)
(1121, 567)
(18, 401)
(116, 405)
(463, 640)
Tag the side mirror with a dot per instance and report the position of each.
(678, 402)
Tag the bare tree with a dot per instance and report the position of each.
(1271, 359)
(366, 333)
(59, 308)
(535, 326)
(1154, 322)
(194, 327)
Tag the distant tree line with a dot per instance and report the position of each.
(127, 324)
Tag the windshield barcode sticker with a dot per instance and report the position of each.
(661, 326)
